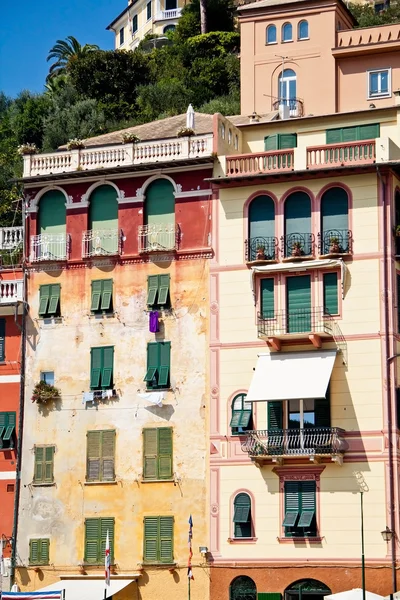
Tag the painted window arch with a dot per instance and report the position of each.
(52, 224)
(298, 238)
(271, 34)
(103, 220)
(287, 89)
(242, 588)
(261, 227)
(169, 28)
(335, 232)
(302, 30)
(287, 32)
(242, 417)
(311, 589)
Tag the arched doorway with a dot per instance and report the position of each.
(261, 227)
(102, 237)
(287, 90)
(306, 589)
(242, 588)
(50, 244)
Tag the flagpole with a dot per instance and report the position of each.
(188, 588)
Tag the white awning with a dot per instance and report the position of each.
(356, 594)
(291, 375)
(89, 589)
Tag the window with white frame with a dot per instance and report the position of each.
(379, 83)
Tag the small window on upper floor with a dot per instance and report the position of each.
(148, 10)
(134, 24)
(287, 32)
(379, 83)
(121, 36)
(302, 32)
(271, 35)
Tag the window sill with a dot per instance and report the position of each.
(379, 96)
(286, 41)
(300, 540)
(250, 540)
(44, 484)
(157, 481)
(100, 482)
(102, 315)
(303, 39)
(271, 43)
(159, 564)
(34, 565)
(168, 389)
(50, 320)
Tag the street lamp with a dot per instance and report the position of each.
(387, 534)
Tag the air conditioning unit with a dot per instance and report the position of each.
(284, 111)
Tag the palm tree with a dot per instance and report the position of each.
(66, 51)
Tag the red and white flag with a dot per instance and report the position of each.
(107, 560)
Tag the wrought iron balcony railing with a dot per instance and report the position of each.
(296, 106)
(313, 441)
(301, 320)
(335, 241)
(261, 248)
(158, 237)
(101, 242)
(297, 245)
(49, 247)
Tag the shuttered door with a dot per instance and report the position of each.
(2, 340)
(103, 208)
(298, 302)
(52, 213)
(298, 221)
(331, 302)
(160, 203)
(275, 415)
(165, 453)
(334, 218)
(261, 221)
(151, 539)
(166, 539)
(150, 449)
(267, 298)
(92, 540)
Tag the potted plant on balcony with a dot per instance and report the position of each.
(130, 138)
(334, 246)
(185, 132)
(75, 144)
(43, 393)
(297, 249)
(260, 249)
(27, 149)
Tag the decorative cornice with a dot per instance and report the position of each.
(299, 473)
(81, 204)
(192, 193)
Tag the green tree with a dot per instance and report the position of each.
(26, 114)
(65, 52)
(367, 17)
(10, 167)
(220, 16)
(165, 97)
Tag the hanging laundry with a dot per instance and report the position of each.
(153, 322)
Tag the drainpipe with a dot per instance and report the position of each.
(21, 402)
(388, 379)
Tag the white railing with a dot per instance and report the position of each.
(101, 242)
(119, 155)
(173, 13)
(11, 291)
(49, 247)
(10, 237)
(158, 237)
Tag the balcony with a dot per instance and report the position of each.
(339, 155)
(10, 237)
(275, 161)
(158, 237)
(277, 444)
(335, 242)
(261, 249)
(298, 245)
(164, 15)
(119, 155)
(300, 323)
(101, 242)
(295, 107)
(11, 291)
(49, 247)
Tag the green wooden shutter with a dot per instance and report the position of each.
(164, 453)
(2, 340)
(165, 359)
(261, 221)
(152, 289)
(96, 363)
(298, 214)
(106, 524)
(287, 141)
(275, 414)
(368, 132)
(163, 289)
(331, 302)
(166, 539)
(49, 464)
(267, 298)
(334, 218)
(54, 298)
(298, 303)
(103, 209)
(150, 449)
(44, 292)
(153, 361)
(334, 136)
(322, 412)
(34, 552)
(292, 503)
(96, 295)
(92, 540)
(269, 596)
(93, 450)
(107, 455)
(160, 203)
(271, 142)
(241, 516)
(107, 294)
(39, 464)
(151, 539)
(44, 546)
(108, 367)
(52, 216)
(349, 134)
(307, 498)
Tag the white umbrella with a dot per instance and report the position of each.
(356, 594)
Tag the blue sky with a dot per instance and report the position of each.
(31, 27)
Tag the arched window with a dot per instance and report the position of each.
(50, 244)
(335, 232)
(242, 418)
(159, 217)
(271, 34)
(242, 525)
(169, 28)
(298, 238)
(302, 30)
(242, 588)
(261, 228)
(287, 84)
(102, 237)
(307, 589)
(287, 32)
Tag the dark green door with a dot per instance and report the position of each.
(298, 223)
(103, 220)
(334, 219)
(160, 203)
(261, 226)
(52, 226)
(298, 302)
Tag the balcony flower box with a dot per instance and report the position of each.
(130, 138)
(75, 144)
(27, 149)
(185, 132)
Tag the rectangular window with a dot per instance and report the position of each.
(7, 430)
(158, 295)
(267, 298)
(157, 453)
(2, 340)
(352, 134)
(39, 550)
(158, 365)
(158, 540)
(47, 377)
(121, 36)
(134, 23)
(379, 85)
(331, 302)
(102, 301)
(148, 10)
(44, 464)
(300, 506)
(100, 455)
(95, 540)
(101, 368)
(49, 302)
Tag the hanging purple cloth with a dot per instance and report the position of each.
(153, 321)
